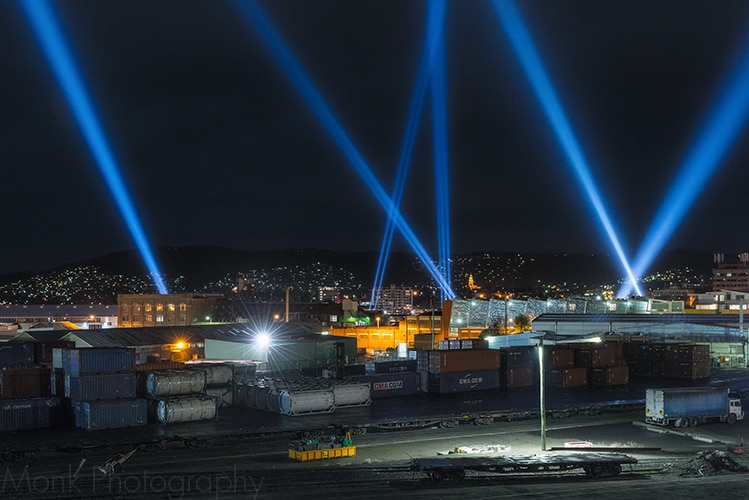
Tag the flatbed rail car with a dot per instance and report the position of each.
(594, 464)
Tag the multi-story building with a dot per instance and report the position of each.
(731, 275)
(395, 299)
(179, 309)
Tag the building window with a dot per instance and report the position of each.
(159, 318)
(170, 307)
(159, 307)
(149, 318)
(333, 318)
(183, 307)
(149, 307)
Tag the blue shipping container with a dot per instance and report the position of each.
(105, 386)
(385, 385)
(16, 354)
(92, 360)
(33, 413)
(110, 414)
(444, 383)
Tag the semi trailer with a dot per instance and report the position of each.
(690, 406)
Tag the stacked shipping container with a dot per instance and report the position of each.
(446, 371)
(24, 389)
(98, 387)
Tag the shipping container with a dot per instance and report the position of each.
(183, 409)
(474, 344)
(390, 384)
(215, 374)
(305, 402)
(557, 357)
(224, 395)
(613, 375)
(352, 394)
(32, 413)
(24, 383)
(517, 357)
(171, 383)
(117, 413)
(93, 360)
(521, 376)
(693, 370)
(694, 352)
(567, 377)
(43, 350)
(405, 365)
(104, 386)
(424, 341)
(159, 366)
(463, 361)
(467, 381)
(16, 354)
(57, 382)
(594, 357)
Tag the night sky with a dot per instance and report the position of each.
(217, 147)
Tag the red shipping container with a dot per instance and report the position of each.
(463, 360)
(613, 375)
(517, 377)
(568, 377)
(24, 383)
(560, 358)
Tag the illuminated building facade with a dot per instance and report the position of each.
(178, 309)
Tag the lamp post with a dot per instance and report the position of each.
(541, 392)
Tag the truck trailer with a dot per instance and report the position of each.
(691, 406)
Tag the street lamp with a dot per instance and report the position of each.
(541, 392)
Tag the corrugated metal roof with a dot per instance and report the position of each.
(134, 337)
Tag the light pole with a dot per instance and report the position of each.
(542, 395)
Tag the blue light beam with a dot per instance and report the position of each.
(274, 43)
(719, 132)
(513, 26)
(434, 27)
(47, 31)
(439, 135)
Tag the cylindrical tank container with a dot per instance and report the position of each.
(351, 395)
(31, 413)
(261, 397)
(93, 360)
(185, 409)
(174, 383)
(274, 400)
(216, 374)
(104, 386)
(303, 402)
(244, 395)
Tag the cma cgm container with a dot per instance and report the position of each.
(385, 385)
(463, 360)
(24, 383)
(34, 413)
(468, 381)
(403, 365)
(104, 386)
(16, 354)
(93, 360)
(108, 414)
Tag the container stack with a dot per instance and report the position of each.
(669, 360)
(24, 389)
(519, 366)
(383, 385)
(605, 363)
(562, 371)
(98, 387)
(176, 396)
(447, 371)
(299, 395)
